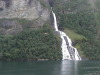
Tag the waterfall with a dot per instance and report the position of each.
(68, 51)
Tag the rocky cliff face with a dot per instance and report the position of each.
(32, 10)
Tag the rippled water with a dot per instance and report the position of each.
(50, 68)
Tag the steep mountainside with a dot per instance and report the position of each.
(29, 9)
(13, 13)
(25, 32)
(80, 19)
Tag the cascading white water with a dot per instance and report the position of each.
(68, 51)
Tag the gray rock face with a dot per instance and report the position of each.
(29, 9)
(34, 10)
(10, 27)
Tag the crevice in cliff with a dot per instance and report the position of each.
(7, 3)
(51, 2)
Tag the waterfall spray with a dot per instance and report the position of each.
(68, 51)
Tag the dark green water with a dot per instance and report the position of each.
(50, 68)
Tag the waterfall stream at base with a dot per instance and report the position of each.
(68, 51)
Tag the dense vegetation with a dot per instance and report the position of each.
(82, 17)
(30, 45)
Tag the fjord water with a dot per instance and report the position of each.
(68, 51)
(64, 67)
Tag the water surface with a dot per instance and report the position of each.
(50, 68)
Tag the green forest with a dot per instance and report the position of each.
(83, 18)
(31, 44)
(79, 19)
